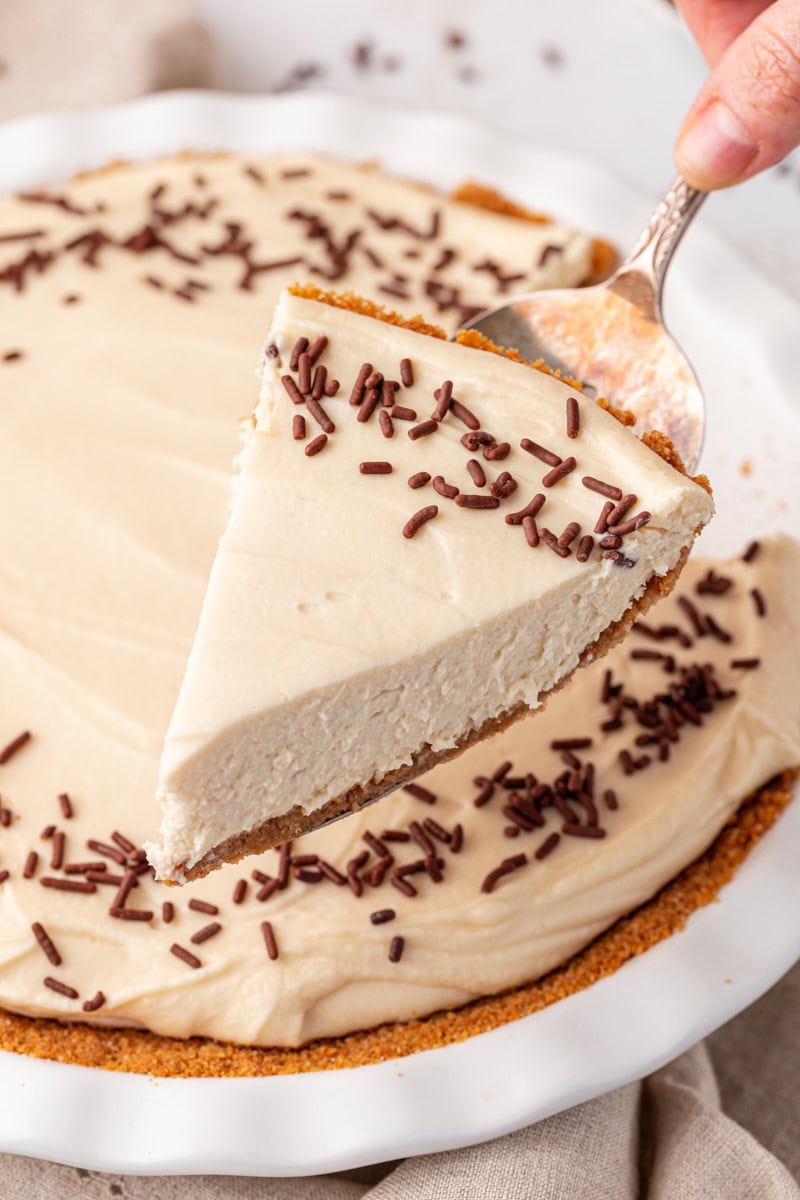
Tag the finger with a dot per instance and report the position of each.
(715, 24)
(747, 116)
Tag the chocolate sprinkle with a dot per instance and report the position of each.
(202, 935)
(605, 489)
(467, 501)
(375, 468)
(415, 523)
(745, 664)
(396, 949)
(448, 490)
(63, 989)
(559, 472)
(44, 940)
(759, 601)
(291, 388)
(8, 752)
(204, 907)
(751, 551)
(424, 429)
(540, 452)
(420, 793)
(585, 547)
(505, 868)
(406, 372)
(573, 417)
(268, 934)
(531, 531)
(186, 956)
(382, 916)
(97, 1001)
(319, 443)
(548, 846)
(298, 427)
(167, 912)
(66, 806)
(419, 480)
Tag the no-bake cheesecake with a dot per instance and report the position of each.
(425, 539)
(130, 314)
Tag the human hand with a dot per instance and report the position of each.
(747, 114)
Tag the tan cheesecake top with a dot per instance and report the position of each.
(493, 869)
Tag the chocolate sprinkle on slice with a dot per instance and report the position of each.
(396, 949)
(167, 912)
(385, 422)
(300, 347)
(202, 935)
(464, 415)
(497, 452)
(619, 511)
(44, 940)
(406, 372)
(551, 540)
(602, 520)
(63, 989)
(559, 472)
(444, 395)
(375, 468)
(319, 443)
(319, 415)
(186, 956)
(540, 452)
(316, 348)
(357, 394)
(203, 906)
(8, 752)
(759, 601)
(448, 490)
(415, 523)
(476, 473)
(382, 916)
(298, 427)
(424, 429)
(467, 501)
(419, 480)
(571, 531)
(585, 547)
(31, 863)
(368, 405)
(629, 526)
(745, 664)
(303, 374)
(292, 391)
(531, 531)
(530, 510)
(66, 806)
(751, 551)
(399, 412)
(97, 1001)
(573, 417)
(268, 934)
(605, 489)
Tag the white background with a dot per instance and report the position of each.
(606, 79)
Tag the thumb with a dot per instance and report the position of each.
(747, 115)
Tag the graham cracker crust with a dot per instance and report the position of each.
(134, 1051)
(297, 822)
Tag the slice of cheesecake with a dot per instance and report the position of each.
(425, 540)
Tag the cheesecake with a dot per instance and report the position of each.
(562, 846)
(425, 540)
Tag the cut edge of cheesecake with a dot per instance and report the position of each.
(297, 821)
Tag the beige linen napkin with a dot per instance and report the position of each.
(719, 1122)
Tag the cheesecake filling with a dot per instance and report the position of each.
(332, 648)
(353, 940)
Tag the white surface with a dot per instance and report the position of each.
(608, 81)
(740, 332)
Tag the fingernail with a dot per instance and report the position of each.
(714, 149)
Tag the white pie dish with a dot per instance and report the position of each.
(655, 1006)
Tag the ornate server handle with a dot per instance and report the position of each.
(648, 262)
